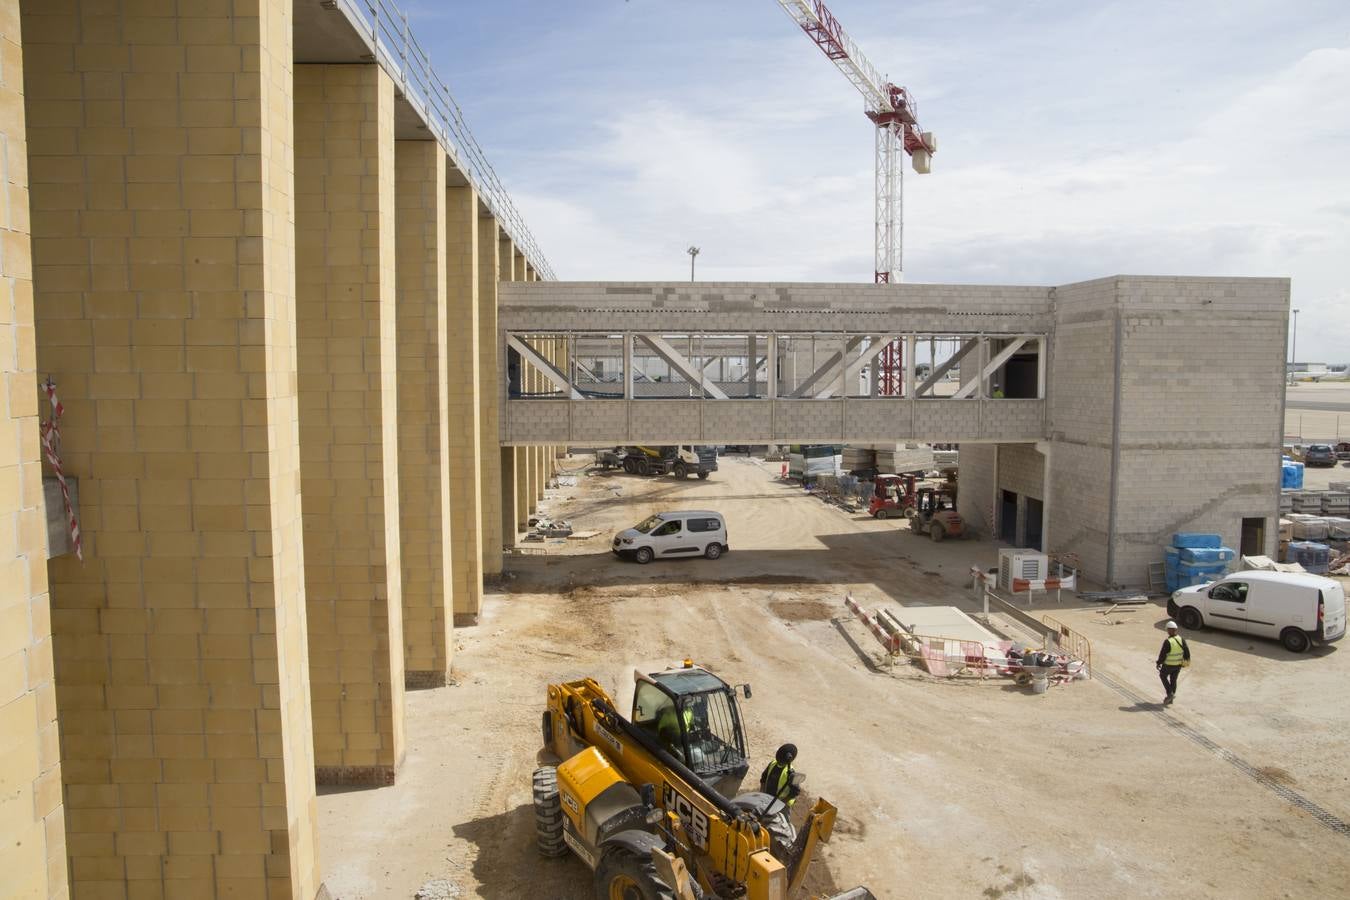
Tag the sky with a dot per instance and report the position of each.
(1076, 139)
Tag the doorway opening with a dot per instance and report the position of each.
(1254, 536)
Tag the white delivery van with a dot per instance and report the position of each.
(1297, 609)
(697, 532)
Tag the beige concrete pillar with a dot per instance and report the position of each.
(490, 377)
(510, 517)
(32, 819)
(345, 284)
(466, 510)
(519, 456)
(523, 488)
(425, 527)
(161, 162)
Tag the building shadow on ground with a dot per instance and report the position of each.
(508, 865)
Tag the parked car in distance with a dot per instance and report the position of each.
(1298, 609)
(1319, 455)
(696, 532)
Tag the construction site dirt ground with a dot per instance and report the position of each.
(958, 788)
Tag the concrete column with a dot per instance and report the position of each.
(345, 283)
(507, 456)
(490, 379)
(162, 165)
(523, 487)
(512, 270)
(32, 818)
(466, 512)
(424, 410)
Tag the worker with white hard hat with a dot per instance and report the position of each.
(1174, 656)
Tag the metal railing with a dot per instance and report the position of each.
(385, 29)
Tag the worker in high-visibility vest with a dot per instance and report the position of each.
(668, 727)
(776, 779)
(1174, 656)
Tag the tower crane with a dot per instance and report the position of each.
(891, 108)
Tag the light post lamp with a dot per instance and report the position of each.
(1293, 352)
(693, 252)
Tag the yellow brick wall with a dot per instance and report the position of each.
(489, 382)
(32, 819)
(424, 498)
(345, 286)
(161, 171)
(466, 510)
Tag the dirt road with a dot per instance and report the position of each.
(962, 789)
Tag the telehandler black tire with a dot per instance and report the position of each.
(622, 875)
(681, 470)
(548, 814)
(703, 476)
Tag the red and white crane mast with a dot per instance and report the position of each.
(891, 108)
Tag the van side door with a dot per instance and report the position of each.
(670, 539)
(1227, 605)
(1273, 607)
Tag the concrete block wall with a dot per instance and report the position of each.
(1201, 420)
(424, 411)
(161, 164)
(1191, 429)
(32, 817)
(1021, 469)
(975, 490)
(345, 278)
(462, 334)
(489, 378)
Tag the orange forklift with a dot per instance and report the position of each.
(895, 497)
(935, 514)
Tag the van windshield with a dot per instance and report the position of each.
(647, 524)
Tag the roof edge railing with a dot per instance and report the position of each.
(384, 28)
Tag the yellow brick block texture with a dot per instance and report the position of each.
(162, 174)
(423, 464)
(32, 817)
(489, 381)
(465, 436)
(345, 317)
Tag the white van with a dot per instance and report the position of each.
(1298, 609)
(695, 532)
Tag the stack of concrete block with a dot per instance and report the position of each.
(1336, 503)
(1338, 528)
(1286, 502)
(1340, 486)
(1309, 502)
(1308, 528)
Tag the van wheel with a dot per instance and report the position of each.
(643, 555)
(1294, 640)
(713, 551)
(1190, 619)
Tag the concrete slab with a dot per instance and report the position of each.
(943, 621)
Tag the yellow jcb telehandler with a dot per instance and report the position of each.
(653, 803)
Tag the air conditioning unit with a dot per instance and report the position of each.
(1014, 562)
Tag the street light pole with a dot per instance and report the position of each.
(1293, 353)
(693, 252)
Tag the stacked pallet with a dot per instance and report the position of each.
(1307, 502)
(1195, 558)
(1307, 528)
